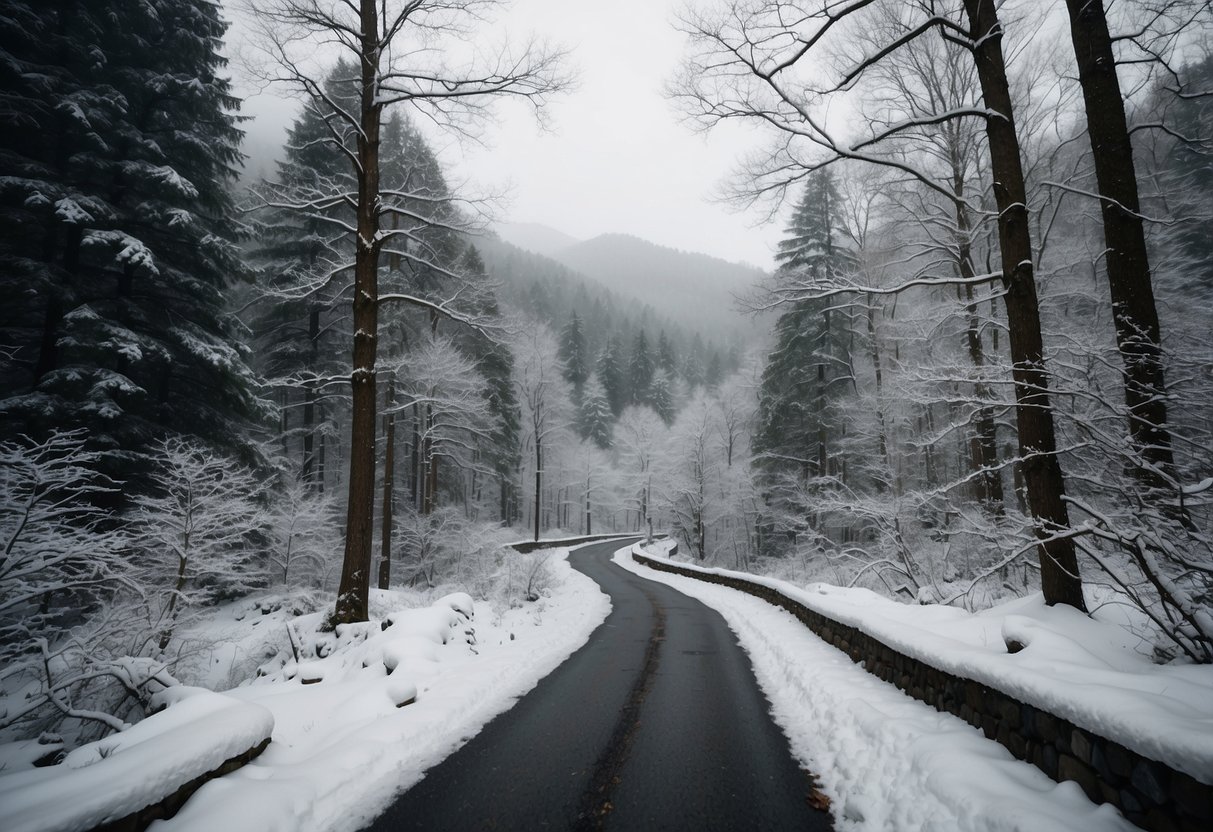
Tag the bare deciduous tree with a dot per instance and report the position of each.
(756, 62)
(402, 52)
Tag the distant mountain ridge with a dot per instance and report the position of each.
(535, 237)
(694, 289)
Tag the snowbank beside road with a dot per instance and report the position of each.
(1096, 674)
(342, 748)
(885, 760)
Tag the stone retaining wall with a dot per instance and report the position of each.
(1151, 794)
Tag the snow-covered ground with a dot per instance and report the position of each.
(195, 733)
(885, 760)
(347, 733)
(342, 749)
(361, 714)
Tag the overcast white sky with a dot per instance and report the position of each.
(616, 157)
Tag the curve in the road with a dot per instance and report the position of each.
(656, 723)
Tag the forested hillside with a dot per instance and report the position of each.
(695, 290)
(981, 368)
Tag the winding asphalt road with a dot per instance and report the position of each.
(656, 723)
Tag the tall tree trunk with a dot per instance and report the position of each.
(429, 477)
(984, 451)
(308, 470)
(389, 482)
(1133, 310)
(588, 526)
(354, 590)
(882, 438)
(415, 460)
(1034, 415)
(321, 457)
(538, 479)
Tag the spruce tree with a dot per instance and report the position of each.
(610, 373)
(640, 370)
(573, 354)
(692, 365)
(796, 431)
(299, 326)
(667, 356)
(594, 417)
(661, 397)
(126, 228)
(496, 364)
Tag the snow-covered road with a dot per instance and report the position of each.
(886, 761)
(657, 723)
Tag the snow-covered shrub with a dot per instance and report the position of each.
(445, 547)
(529, 576)
(305, 536)
(61, 555)
(62, 561)
(194, 534)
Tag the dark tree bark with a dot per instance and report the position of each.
(389, 482)
(354, 590)
(415, 460)
(538, 480)
(308, 470)
(984, 445)
(1133, 310)
(1034, 416)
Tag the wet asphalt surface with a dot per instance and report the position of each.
(656, 723)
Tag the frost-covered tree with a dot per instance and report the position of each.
(442, 383)
(392, 49)
(661, 396)
(594, 418)
(640, 370)
(303, 529)
(194, 534)
(547, 410)
(640, 441)
(60, 555)
(611, 372)
(573, 354)
(730, 77)
(495, 363)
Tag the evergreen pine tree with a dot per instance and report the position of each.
(610, 373)
(795, 428)
(667, 356)
(640, 370)
(299, 326)
(127, 226)
(573, 354)
(496, 364)
(661, 396)
(715, 372)
(594, 417)
(692, 366)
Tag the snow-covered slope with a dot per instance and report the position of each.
(342, 745)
